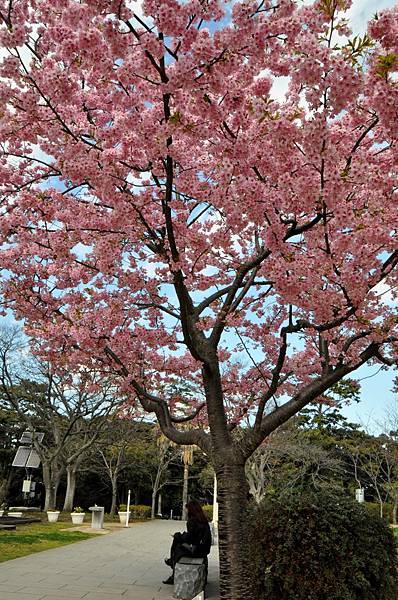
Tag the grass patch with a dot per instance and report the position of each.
(36, 537)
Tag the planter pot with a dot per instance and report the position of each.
(123, 516)
(16, 514)
(1, 513)
(77, 518)
(52, 516)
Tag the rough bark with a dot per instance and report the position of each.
(232, 533)
(114, 495)
(70, 487)
(5, 487)
(185, 491)
(153, 508)
(51, 478)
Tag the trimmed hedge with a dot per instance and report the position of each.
(317, 546)
(140, 511)
(208, 510)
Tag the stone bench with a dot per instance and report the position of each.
(190, 577)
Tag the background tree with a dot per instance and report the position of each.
(10, 433)
(114, 450)
(167, 454)
(163, 214)
(71, 410)
(287, 462)
(376, 459)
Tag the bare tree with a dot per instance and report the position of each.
(70, 408)
(167, 454)
(114, 451)
(287, 460)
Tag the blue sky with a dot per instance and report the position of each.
(376, 393)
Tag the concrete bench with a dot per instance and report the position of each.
(190, 576)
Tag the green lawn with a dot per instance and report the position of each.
(35, 537)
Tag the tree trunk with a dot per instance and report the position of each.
(114, 495)
(185, 492)
(51, 477)
(5, 487)
(155, 489)
(395, 510)
(233, 533)
(70, 487)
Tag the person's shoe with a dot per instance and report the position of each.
(168, 562)
(169, 581)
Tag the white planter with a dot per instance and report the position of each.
(16, 514)
(52, 516)
(77, 518)
(123, 516)
(1, 513)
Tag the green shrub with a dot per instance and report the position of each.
(317, 546)
(140, 511)
(123, 507)
(208, 510)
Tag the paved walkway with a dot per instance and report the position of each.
(124, 565)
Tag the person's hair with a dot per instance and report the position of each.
(194, 511)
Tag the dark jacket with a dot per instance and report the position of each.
(199, 536)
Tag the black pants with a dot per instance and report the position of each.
(179, 548)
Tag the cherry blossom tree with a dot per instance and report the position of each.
(166, 217)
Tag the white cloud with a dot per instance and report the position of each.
(385, 293)
(362, 11)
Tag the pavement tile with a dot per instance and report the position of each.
(9, 587)
(59, 596)
(127, 565)
(22, 596)
(56, 581)
(107, 585)
(109, 595)
(42, 586)
(74, 590)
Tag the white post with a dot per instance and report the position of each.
(160, 505)
(215, 512)
(215, 503)
(128, 509)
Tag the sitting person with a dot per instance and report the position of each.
(195, 542)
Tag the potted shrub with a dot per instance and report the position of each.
(77, 515)
(52, 515)
(122, 512)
